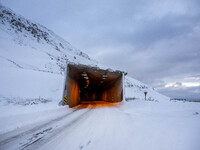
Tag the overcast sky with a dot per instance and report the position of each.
(157, 42)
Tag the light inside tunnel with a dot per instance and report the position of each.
(85, 83)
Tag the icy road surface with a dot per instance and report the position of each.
(139, 125)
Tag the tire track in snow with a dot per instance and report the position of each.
(15, 135)
(8, 137)
(38, 142)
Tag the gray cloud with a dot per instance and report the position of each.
(188, 93)
(156, 41)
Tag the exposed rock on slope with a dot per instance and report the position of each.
(35, 37)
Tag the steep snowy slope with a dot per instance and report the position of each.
(33, 61)
(37, 47)
(135, 89)
(33, 58)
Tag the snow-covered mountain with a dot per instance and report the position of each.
(34, 37)
(33, 61)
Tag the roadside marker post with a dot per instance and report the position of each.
(145, 94)
(65, 99)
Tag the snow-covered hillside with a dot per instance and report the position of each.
(33, 58)
(37, 47)
(33, 61)
(135, 89)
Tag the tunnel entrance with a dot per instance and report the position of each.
(84, 83)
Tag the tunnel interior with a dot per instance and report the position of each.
(85, 83)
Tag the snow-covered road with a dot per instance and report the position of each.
(32, 137)
(137, 125)
(35, 137)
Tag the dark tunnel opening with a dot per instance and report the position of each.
(85, 83)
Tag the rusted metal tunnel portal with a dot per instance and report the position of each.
(84, 83)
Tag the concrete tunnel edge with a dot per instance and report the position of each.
(65, 100)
